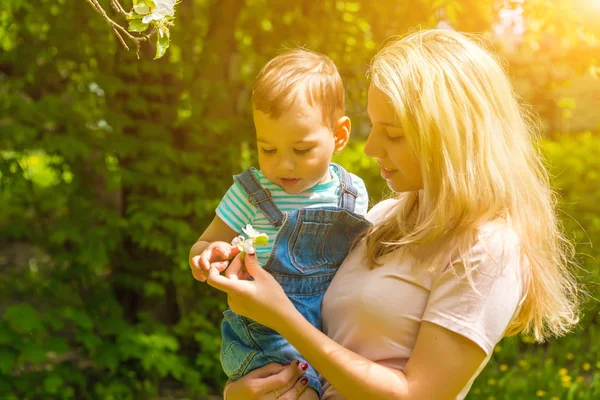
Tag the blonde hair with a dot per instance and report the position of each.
(300, 72)
(476, 148)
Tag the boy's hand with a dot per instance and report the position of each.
(216, 255)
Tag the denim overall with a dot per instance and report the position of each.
(310, 246)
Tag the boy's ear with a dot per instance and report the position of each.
(341, 134)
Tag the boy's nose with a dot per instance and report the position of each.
(286, 165)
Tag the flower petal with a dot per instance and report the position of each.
(237, 241)
(248, 247)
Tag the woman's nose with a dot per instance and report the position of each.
(373, 147)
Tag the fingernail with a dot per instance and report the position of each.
(304, 381)
(304, 366)
(297, 362)
(286, 364)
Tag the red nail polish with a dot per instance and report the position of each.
(304, 381)
(304, 366)
(297, 362)
(286, 364)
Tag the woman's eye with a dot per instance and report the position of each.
(394, 134)
(394, 138)
(269, 151)
(302, 151)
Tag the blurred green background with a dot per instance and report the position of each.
(111, 166)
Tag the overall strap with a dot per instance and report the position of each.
(259, 196)
(349, 192)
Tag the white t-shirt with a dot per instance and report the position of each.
(377, 312)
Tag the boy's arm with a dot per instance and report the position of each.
(213, 247)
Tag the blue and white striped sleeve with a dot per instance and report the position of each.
(362, 201)
(235, 209)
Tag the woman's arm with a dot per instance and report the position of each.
(261, 383)
(441, 364)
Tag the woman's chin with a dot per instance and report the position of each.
(401, 187)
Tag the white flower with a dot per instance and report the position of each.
(250, 231)
(254, 238)
(249, 246)
(164, 8)
(238, 242)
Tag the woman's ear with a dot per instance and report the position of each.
(341, 134)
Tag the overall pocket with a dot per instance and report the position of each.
(322, 238)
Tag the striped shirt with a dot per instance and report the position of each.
(236, 210)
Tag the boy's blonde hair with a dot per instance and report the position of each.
(300, 73)
(476, 148)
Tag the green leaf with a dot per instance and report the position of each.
(108, 355)
(6, 335)
(162, 44)
(23, 319)
(141, 9)
(81, 319)
(57, 345)
(261, 241)
(7, 360)
(88, 340)
(153, 289)
(133, 15)
(137, 26)
(34, 352)
(52, 383)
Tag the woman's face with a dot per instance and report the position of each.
(386, 143)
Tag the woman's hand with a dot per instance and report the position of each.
(273, 381)
(262, 299)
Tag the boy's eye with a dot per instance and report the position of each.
(269, 151)
(302, 151)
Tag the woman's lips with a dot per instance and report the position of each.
(387, 173)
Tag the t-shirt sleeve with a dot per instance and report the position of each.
(235, 209)
(381, 210)
(479, 308)
(362, 201)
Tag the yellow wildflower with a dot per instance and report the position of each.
(586, 366)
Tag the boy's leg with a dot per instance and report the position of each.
(309, 394)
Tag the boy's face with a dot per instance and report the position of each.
(295, 149)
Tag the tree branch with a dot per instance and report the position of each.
(119, 30)
(117, 7)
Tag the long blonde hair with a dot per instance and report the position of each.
(476, 147)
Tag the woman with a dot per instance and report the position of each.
(470, 250)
